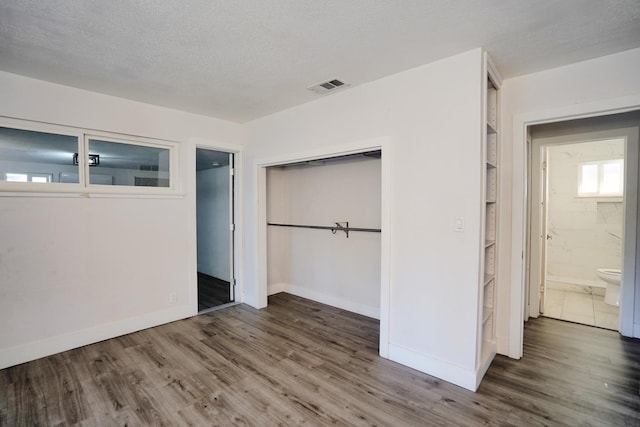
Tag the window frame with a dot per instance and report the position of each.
(83, 187)
(600, 176)
(139, 141)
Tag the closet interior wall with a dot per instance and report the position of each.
(318, 264)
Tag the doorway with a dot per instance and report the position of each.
(580, 224)
(581, 213)
(215, 228)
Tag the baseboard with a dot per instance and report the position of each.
(577, 281)
(435, 367)
(59, 343)
(331, 300)
(276, 288)
(483, 370)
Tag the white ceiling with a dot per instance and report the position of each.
(243, 59)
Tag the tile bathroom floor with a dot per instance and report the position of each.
(576, 304)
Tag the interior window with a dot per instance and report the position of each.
(36, 157)
(33, 154)
(121, 163)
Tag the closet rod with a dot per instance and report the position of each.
(333, 228)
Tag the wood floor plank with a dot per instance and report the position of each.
(298, 362)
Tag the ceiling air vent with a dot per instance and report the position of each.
(328, 86)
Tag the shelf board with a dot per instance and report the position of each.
(491, 128)
(488, 278)
(488, 243)
(491, 164)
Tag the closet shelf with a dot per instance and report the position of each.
(488, 278)
(340, 226)
(491, 128)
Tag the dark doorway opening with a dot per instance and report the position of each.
(215, 227)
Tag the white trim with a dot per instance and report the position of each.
(261, 203)
(385, 248)
(435, 367)
(325, 152)
(629, 287)
(381, 143)
(276, 288)
(483, 368)
(58, 343)
(74, 194)
(518, 208)
(577, 281)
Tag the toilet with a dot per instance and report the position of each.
(612, 276)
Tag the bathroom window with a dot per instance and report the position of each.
(604, 178)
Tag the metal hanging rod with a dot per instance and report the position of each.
(340, 226)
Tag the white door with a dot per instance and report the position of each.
(538, 229)
(544, 221)
(232, 228)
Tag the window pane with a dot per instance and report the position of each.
(588, 179)
(611, 178)
(17, 177)
(117, 163)
(40, 177)
(25, 154)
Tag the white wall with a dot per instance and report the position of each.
(212, 204)
(432, 115)
(75, 270)
(586, 231)
(595, 87)
(316, 264)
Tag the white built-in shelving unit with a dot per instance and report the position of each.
(490, 200)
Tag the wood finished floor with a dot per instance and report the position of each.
(300, 362)
(212, 292)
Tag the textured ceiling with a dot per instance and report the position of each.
(239, 60)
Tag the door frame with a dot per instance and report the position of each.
(515, 306)
(383, 144)
(189, 163)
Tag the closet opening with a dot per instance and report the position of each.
(324, 230)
